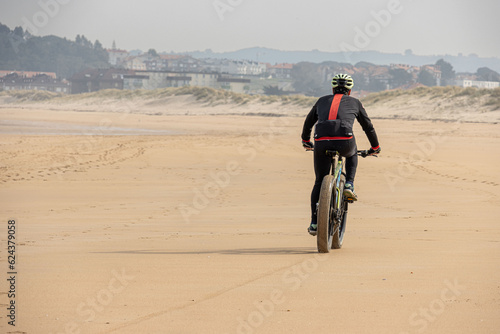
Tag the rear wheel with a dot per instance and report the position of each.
(341, 214)
(325, 214)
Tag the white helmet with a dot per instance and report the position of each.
(342, 80)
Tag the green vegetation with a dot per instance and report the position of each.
(486, 74)
(273, 90)
(400, 77)
(447, 72)
(21, 51)
(425, 78)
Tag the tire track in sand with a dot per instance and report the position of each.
(201, 300)
(72, 162)
(453, 177)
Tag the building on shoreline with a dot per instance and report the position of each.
(92, 80)
(116, 56)
(20, 80)
(281, 71)
(477, 84)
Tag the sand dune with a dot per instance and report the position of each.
(423, 103)
(201, 228)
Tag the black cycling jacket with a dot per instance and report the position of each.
(335, 116)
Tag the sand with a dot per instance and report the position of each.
(133, 223)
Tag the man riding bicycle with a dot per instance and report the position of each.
(334, 117)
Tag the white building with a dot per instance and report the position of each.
(116, 57)
(478, 84)
(248, 67)
(134, 63)
(239, 67)
(160, 79)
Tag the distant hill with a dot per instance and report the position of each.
(21, 51)
(460, 63)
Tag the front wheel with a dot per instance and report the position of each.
(341, 216)
(325, 214)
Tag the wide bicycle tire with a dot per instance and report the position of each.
(339, 229)
(324, 233)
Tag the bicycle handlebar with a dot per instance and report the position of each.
(364, 154)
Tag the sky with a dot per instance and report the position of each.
(427, 27)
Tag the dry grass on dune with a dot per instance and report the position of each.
(30, 95)
(201, 94)
(426, 101)
(489, 98)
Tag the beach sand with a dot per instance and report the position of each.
(131, 223)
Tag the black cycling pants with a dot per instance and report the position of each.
(322, 164)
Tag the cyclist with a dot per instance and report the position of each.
(334, 117)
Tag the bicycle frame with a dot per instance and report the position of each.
(337, 169)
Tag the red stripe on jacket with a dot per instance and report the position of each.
(334, 108)
(333, 138)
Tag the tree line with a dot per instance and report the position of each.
(21, 51)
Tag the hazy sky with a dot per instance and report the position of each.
(425, 26)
